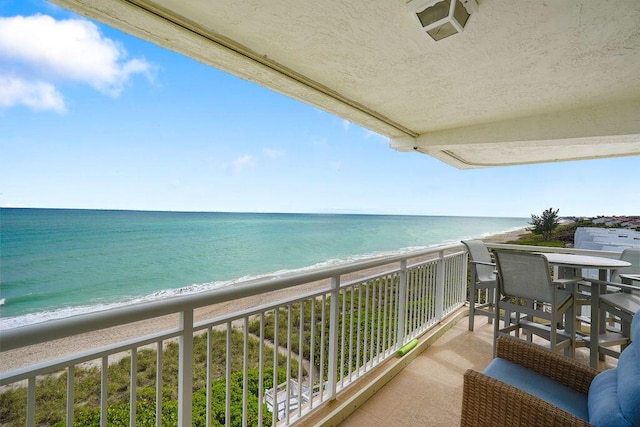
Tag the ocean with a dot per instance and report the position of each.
(60, 262)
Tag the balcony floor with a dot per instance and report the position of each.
(429, 390)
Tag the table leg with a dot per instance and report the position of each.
(595, 325)
(570, 320)
(598, 317)
(602, 275)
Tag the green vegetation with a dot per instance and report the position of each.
(355, 331)
(351, 325)
(118, 415)
(51, 390)
(560, 237)
(545, 223)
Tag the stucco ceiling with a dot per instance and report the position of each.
(527, 81)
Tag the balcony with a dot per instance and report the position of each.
(429, 390)
(211, 358)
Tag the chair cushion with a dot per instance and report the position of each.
(540, 386)
(604, 406)
(614, 395)
(629, 382)
(635, 329)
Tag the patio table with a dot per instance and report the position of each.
(603, 265)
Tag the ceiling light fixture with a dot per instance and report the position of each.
(442, 18)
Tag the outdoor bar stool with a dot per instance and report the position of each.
(540, 304)
(617, 308)
(623, 306)
(483, 277)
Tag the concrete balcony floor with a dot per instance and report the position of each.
(428, 391)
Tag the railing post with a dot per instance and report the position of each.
(185, 369)
(333, 337)
(71, 374)
(440, 286)
(402, 303)
(464, 277)
(31, 402)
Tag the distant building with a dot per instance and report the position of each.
(606, 239)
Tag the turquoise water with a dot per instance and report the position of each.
(58, 262)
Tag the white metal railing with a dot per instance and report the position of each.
(264, 365)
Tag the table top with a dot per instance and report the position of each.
(633, 277)
(584, 261)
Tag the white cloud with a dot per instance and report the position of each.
(369, 134)
(346, 124)
(36, 95)
(242, 162)
(273, 154)
(40, 49)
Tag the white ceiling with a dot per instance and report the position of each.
(527, 81)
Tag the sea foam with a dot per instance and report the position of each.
(65, 312)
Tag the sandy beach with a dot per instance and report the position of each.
(26, 356)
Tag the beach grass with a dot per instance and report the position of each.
(51, 389)
(364, 308)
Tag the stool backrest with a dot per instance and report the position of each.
(478, 252)
(631, 255)
(525, 275)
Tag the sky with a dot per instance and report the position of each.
(93, 118)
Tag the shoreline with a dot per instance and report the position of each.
(507, 236)
(22, 357)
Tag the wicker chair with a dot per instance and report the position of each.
(490, 402)
(527, 385)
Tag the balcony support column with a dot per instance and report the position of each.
(185, 369)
